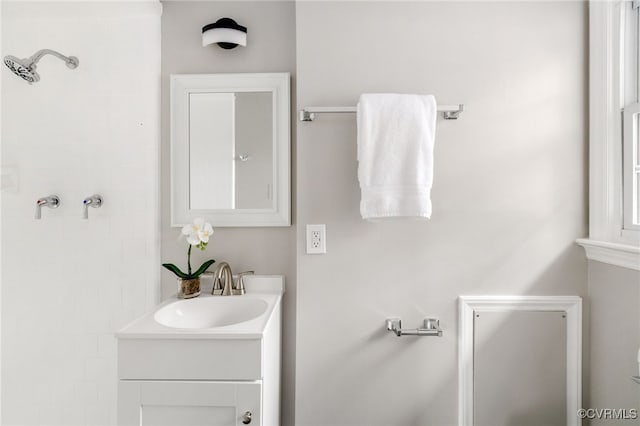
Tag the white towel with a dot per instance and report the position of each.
(396, 135)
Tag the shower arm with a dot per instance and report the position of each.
(70, 60)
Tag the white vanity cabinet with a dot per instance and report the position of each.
(226, 374)
(189, 403)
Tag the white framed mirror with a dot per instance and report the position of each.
(230, 149)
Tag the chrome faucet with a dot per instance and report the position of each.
(52, 201)
(222, 280)
(223, 284)
(94, 201)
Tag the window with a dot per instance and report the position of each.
(629, 70)
(614, 133)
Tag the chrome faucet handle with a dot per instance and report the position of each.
(239, 289)
(94, 201)
(221, 275)
(51, 201)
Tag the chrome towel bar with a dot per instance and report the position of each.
(431, 327)
(449, 112)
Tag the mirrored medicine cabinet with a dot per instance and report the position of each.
(230, 149)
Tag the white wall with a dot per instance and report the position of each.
(69, 283)
(614, 295)
(509, 192)
(2, 179)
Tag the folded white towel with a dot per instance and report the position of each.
(396, 135)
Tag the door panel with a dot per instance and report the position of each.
(174, 403)
(164, 415)
(520, 368)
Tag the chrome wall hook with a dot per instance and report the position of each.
(430, 327)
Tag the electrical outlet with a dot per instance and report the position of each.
(316, 239)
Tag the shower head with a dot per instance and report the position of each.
(26, 68)
(22, 68)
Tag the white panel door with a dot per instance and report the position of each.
(174, 403)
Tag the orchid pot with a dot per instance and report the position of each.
(188, 287)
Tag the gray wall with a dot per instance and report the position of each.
(615, 338)
(509, 192)
(270, 48)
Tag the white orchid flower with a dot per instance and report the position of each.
(193, 239)
(187, 229)
(191, 233)
(198, 232)
(205, 232)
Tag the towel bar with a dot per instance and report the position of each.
(449, 112)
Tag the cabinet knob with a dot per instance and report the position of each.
(246, 418)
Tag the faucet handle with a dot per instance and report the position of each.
(240, 285)
(51, 201)
(94, 201)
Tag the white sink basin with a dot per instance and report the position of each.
(212, 317)
(210, 312)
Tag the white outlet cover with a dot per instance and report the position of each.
(316, 239)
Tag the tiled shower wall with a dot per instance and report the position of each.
(69, 283)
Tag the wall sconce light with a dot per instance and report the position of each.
(225, 32)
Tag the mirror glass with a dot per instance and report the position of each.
(230, 149)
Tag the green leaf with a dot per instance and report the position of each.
(202, 268)
(173, 268)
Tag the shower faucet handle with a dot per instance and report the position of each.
(94, 201)
(51, 201)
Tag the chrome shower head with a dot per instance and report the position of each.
(26, 68)
(22, 68)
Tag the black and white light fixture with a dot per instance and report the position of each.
(225, 32)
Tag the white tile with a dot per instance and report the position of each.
(63, 276)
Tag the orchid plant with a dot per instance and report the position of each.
(197, 234)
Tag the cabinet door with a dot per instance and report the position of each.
(176, 403)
